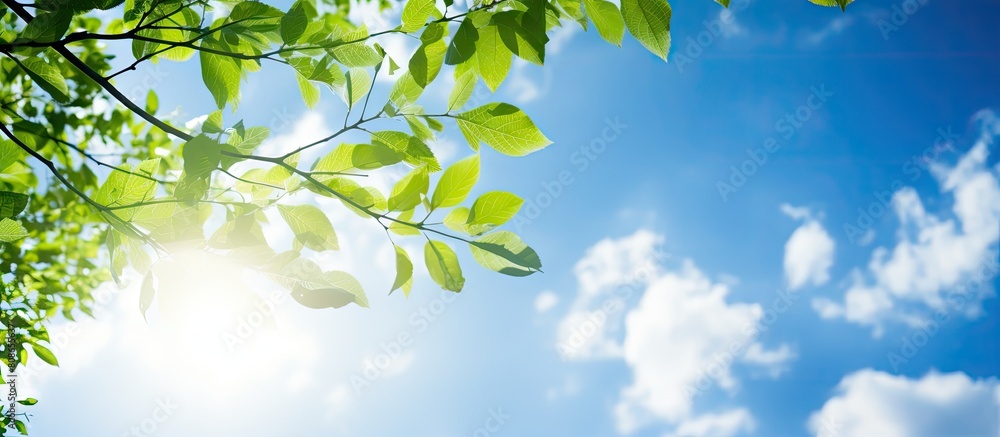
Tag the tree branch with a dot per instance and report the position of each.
(100, 80)
(103, 209)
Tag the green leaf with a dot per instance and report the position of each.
(456, 219)
(10, 153)
(406, 193)
(152, 102)
(504, 252)
(492, 58)
(405, 91)
(465, 84)
(251, 139)
(311, 286)
(463, 45)
(254, 12)
(11, 204)
(842, 3)
(45, 354)
(373, 156)
(29, 401)
(415, 14)
(426, 61)
(338, 160)
(345, 281)
(503, 127)
(523, 34)
(414, 151)
(213, 123)
(221, 74)
(48, 77)
(724, 3)
(456, 182)
(294, 23)
(492, 209)
(608, 20)
(48, 26)
(649, 22)
(310, 92)
(353, 52)
(311, 227)
(358, 83)
(202, 155)
(404, 272)
(320, 298)
(128, 186)
(11, 230)
(442, 264)
(420, 130)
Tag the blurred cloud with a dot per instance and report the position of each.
(545, 301)
(874, 403)
(834, 27)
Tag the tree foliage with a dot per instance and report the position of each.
(94, 182)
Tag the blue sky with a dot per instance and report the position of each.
(642, 148)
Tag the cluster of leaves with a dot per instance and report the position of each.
(87, 173)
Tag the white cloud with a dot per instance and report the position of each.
(307, 129)
(680, 339)
(682, 334)
(545, 301)
(938, 263)
(560, 36)
(528, 82)
(874, 403)
(796, 212)
(523, 86)
(835, 27)
(727, 20)
(773, 361)
(808, 252)
(725, 424)
(607, 275)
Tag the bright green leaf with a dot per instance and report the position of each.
(503, 127)
(406, 193)
(442, 264)
(311, 227)
(426, 61)
(456, 219)
(48, 77)
(492, 209)
(11, 230)
(415, 14)
(465, 84)
(649, 22)
(456, 182)
(608, 20)
(504, 252)
(45, 354)
(404, 272)
(492, 59)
